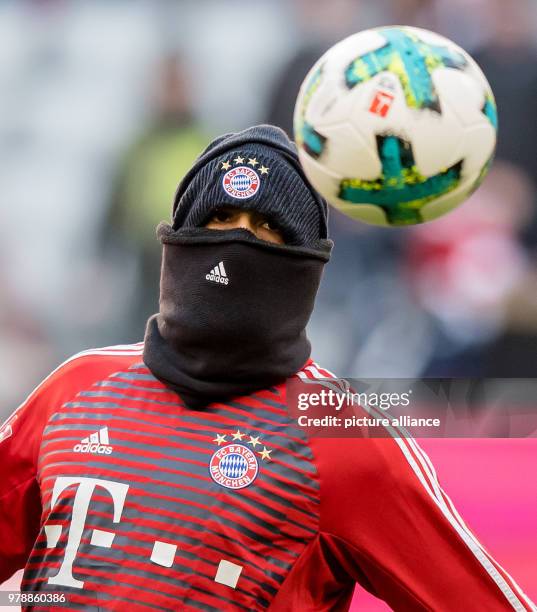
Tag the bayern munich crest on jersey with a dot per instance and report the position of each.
(241, 182)
(233, 466)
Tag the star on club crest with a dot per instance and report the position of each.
(249, 441)
(265, 454)
(254, 441)
(220, 439)
(239, 160)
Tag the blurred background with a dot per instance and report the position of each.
(105, 104)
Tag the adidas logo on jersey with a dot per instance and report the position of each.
(218, 274)
(97, 443)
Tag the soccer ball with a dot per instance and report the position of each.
(395, 125)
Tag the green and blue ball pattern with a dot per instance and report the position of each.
(401, 190)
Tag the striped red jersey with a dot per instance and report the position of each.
(117, 495)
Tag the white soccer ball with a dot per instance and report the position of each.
(395, 125)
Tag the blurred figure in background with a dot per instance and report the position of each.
(509, 59)
(145, 186)
(513, 352)
(462, 273)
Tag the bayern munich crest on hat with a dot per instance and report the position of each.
(241, 182)
(233, 466)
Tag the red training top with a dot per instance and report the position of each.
(118, 496)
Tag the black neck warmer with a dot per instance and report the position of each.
(233, 312)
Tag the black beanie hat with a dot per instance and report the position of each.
(256, 169)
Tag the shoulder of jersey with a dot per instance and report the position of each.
(92, 364)
(312, 373)
(118, 356)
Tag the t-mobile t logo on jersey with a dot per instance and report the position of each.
(96, 443)
(163, 552)
(99, 537)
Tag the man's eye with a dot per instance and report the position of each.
(221, 216)
(271, 226)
